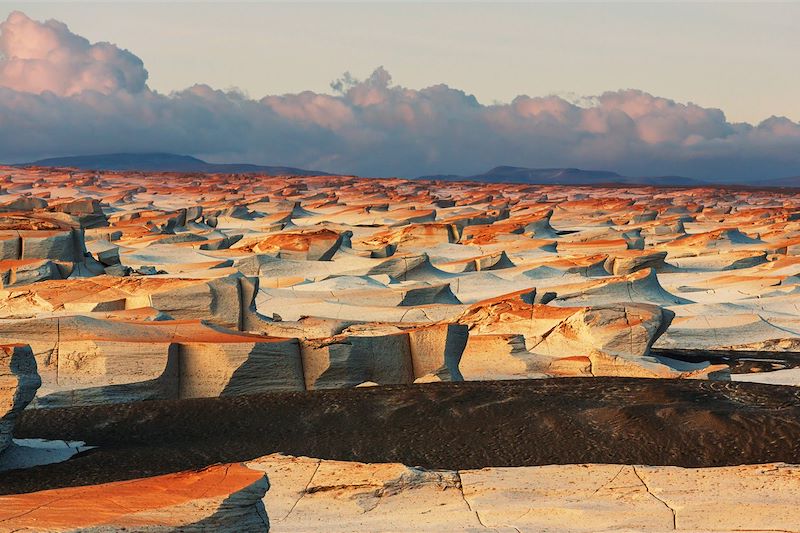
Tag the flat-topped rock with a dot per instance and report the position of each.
(318, 495)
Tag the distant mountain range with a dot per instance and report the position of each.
(160, 162)
(793, 181)
(164, 162)
(564, 176)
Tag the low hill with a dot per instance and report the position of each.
(163, 162)
(564, 176)
(793, 182)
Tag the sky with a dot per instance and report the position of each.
(741, 58)
(433, 88)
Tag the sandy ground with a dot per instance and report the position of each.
(438, 425)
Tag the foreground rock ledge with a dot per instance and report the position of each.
(311, 495)
(218, 498)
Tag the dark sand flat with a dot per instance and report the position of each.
(439, 426)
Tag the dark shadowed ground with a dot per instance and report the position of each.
(439, 425)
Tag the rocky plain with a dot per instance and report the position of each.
(240, 352)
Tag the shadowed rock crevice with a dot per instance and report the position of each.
(19, 381)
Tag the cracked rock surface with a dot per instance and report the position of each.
(317, 495)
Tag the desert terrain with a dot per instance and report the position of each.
(242, 352)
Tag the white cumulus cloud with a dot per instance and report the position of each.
(37, 57)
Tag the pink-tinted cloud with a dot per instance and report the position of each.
(61, 95)
(37, 57)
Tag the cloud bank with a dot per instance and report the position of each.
(62, 95)
(48, 57)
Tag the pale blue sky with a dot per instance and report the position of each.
(741, 58)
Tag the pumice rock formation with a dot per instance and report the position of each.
(329, 281)
(176, 325)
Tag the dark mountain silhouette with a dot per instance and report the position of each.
(166, 162)
(162, 162)
(792, 182)
(564, 176)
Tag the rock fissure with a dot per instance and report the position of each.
(303, 492)
(664, 503)
(460, 486)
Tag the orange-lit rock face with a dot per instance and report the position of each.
(312, 245)
(223, 495)
(132, 286)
